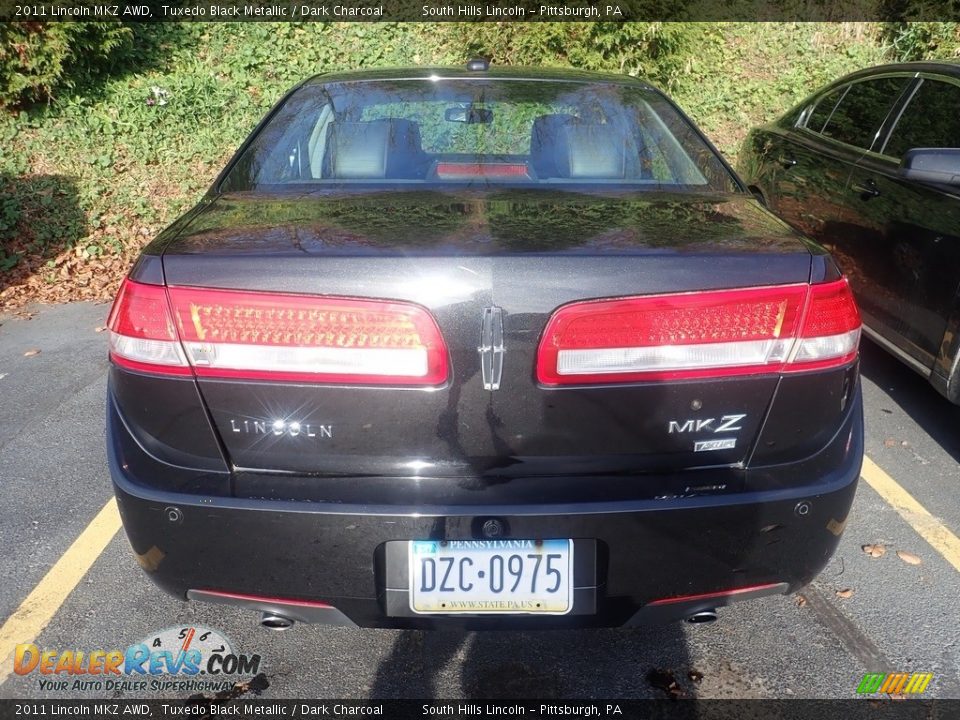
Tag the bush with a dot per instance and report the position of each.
(923, 40)
(652, 50)
(38, 59)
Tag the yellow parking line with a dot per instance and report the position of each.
(39, 607)
(930, 529)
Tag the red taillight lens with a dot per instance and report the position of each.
(300, 337)
(142, 335)
(267, 336)
(702, 334)
(830, 334)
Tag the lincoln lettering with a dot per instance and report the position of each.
(281, 428)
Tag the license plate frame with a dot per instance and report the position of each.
(555, 554)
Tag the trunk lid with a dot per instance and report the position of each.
(457, 254)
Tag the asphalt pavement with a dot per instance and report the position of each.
(863, 614)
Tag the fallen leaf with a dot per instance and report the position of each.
(100, 328)
(31, 353)
(801, 601)
(909, 557)
(874, 551)
(845, 594)
(255, 685)
(664, 680)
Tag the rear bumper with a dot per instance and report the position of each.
(645, 560)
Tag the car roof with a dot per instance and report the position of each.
(493, 73)
(941, 67)
(947, 67)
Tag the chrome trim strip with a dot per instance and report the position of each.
(894, 350)
(303, 612)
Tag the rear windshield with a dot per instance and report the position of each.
(456, 132)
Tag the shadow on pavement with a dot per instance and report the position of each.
(636, 663)
(938, 417)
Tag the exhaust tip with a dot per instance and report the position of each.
(272, 621)
(704, 616)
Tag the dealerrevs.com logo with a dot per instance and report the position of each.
(197, 658)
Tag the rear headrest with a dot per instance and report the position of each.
(545, 143)
(388, 148)
(593, 151)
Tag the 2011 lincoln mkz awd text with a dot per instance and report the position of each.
(485, 348)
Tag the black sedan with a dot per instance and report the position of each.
(869, 167)
(482, 348)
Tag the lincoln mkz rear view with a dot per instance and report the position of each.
(482, 348)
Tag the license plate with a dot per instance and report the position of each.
(507, 577)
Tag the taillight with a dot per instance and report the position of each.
(302, 338)
(142, 334)
(783, 328)
(830, 334)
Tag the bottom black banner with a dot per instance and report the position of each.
(866, 709)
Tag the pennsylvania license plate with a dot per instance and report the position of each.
(503, 577)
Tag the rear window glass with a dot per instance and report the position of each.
(455, 131)
(862, 110)
(931, 120)
(823, 110)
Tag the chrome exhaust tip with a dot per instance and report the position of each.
(272, 621)
(704, 616)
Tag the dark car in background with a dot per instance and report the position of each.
(869, 167)
(482, 348)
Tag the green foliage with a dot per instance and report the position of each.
(653, 50)
(36, 213)
(923, 40)
(38, 59)
(745, 74)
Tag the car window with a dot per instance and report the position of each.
(824, 109)
(931, 120)
(862, 110)
(455, 131)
